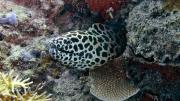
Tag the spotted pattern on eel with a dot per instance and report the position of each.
(86, 49)
(109, 83)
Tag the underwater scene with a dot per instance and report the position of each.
(89, 50)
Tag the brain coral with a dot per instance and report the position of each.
(154, 33)
(109, 83)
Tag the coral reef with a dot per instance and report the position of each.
(20, 49)
(74, 16)
(28, 3)
(153, 33)
(10, 86)
(71, 86)
(106, 8)
(9, 19)
(152, 27)
(18, 13)
(50, 8)
(156, 82)
(9, 83)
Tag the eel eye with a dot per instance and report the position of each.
(52, 49)
(52, 52)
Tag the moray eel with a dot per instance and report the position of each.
(86, 49)
(96, 47)
(109, 83)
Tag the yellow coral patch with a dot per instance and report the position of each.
(10, 86)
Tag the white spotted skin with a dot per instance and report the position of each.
(87, 49)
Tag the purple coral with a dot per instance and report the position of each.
(9, 19)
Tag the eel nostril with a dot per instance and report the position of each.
(52, 46)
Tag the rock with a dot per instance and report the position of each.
(160, 81)
(71, 88)
(1, 36)
(154, 33)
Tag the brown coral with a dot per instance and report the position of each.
(109, 83)
(171, 4)
(28, 3)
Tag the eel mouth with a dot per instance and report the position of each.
(65, 51)
(53, 50)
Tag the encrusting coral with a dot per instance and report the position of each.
(10, 86)
(34, 96)
(153, 33)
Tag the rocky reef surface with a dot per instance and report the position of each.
(151, 61)
(153, 33)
